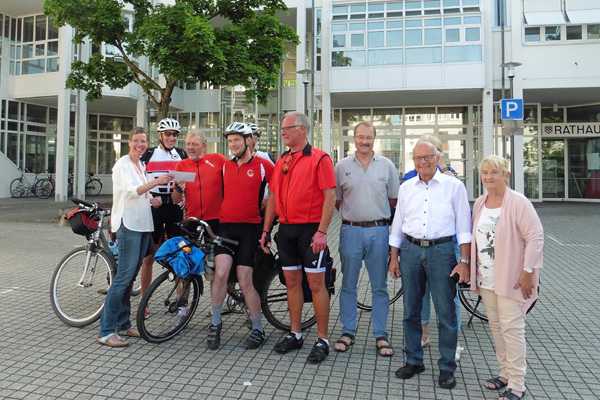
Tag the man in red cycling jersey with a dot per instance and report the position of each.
(244, 181)
(303, 196)
(202, 197)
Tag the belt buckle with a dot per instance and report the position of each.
(425, 243)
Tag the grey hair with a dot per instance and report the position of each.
(300, 118)
(197, 133)
(431, 141)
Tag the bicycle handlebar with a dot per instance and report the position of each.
(203, 225)
(90, 206)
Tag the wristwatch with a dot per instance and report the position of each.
(464, 261)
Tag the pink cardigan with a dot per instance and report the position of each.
(519, 242)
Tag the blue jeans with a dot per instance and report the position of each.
(420, 266)
(426, 310)
(133, 246)
(371, 245)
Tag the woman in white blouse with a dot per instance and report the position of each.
(132, 221)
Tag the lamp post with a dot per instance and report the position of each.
(306, 73)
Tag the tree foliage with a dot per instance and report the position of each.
(223, 42)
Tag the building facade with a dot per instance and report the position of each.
(410, 66)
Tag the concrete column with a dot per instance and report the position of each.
(141, 109)
(300, 52)
(487, 126)
(325, 74)
(65, 52)
(4, 67)
(80, 172)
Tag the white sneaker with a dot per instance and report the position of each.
(459, 349)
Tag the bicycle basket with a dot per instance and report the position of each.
(82, 222)
(181, 256)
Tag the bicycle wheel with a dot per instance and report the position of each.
(43, 188)
(274, 304)
(365, 295)
(93, 187)
(75, 284)
(472, 302)
(167, 315)
(17, 188)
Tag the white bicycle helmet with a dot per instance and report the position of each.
(168, 124)
(238, 128)
(255, 129)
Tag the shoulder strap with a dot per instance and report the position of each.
(181, 153)
(147, 155)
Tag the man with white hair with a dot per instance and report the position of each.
(432, 208)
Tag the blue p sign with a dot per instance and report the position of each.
(512, 109)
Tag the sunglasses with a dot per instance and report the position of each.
(287, 161)
(170, 133)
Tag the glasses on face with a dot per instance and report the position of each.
(170, 133)
(427, 158)
(285, 128)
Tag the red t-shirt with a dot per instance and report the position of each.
(203, 196)
(299, 191)
(244, 188)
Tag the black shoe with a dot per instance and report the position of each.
(319, 352)
(289, 342)
(255, 339)
(447, 380)
(409, 370)
(213, 339)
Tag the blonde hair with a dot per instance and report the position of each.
(197, 133)
(496, 162)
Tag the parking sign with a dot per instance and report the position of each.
(511, 109)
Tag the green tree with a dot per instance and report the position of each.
(224, 42)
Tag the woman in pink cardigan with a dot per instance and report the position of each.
(506, 257)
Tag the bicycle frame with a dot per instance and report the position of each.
(95, 240)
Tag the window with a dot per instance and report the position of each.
(357, 40)
(452, 35)
(593, 31)
(472, 35)
(424, 55)
(433, 36)
(552, 32)
(394, 38)
(532, 34)
(574, 32)
(36, 50)
(414, 37)
(339, 40)
(375, 39)
(462, 53)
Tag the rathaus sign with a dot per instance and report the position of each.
(582, 129)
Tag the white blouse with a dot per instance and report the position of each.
(485, 235)
(128, 207)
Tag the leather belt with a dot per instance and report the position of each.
(428, 242)
(367, 224)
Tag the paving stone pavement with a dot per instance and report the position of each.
(41, 358)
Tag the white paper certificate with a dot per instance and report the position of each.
(181, 176)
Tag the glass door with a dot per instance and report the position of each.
(584, 168)
(553, 168)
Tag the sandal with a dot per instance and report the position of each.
(383, 346)
(131, 332)
(112, 340)
(495, 383)
(213, 338)
(510, 395)
(344, 344)
(319, 352)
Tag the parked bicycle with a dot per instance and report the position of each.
(46, 186)
(23, 186)
(81, 279)
(172, 301)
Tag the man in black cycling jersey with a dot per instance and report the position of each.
(165, 214)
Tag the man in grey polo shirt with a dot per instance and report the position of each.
(367, 188)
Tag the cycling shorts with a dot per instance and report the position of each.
(247, 235)
(293, 243)
(165, 220)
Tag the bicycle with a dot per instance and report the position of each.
(93, 186)
(23, 187)
(81, 279)
(172, 301)
(471, 301)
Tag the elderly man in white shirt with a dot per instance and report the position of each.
(431, 209)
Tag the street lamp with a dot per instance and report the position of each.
(305, 81)
(510, 67)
